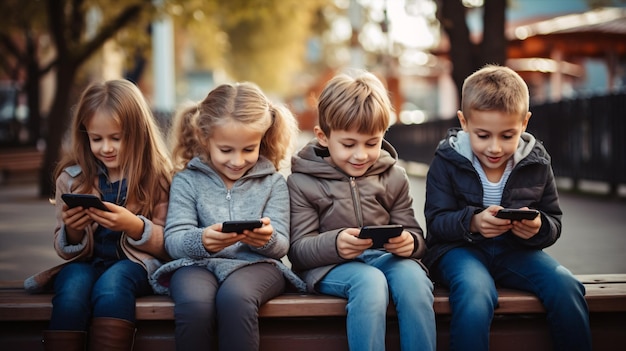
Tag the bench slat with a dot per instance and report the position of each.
(20, 160)
(604, 294)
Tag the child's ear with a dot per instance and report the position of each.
(462, 120)
(321, 136)
(525, 121)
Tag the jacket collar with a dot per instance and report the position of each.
(459, 141)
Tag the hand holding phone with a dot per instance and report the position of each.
(516, 214)
(381, 234)
(239, 226)
(84, 200)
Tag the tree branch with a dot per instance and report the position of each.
(10, 46)
(57, 25)
(108, 30)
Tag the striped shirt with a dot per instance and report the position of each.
(492, 192)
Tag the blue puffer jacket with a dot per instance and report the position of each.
(454, 194)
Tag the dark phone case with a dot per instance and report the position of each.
(240, 226)
(517, 215)
(84, 200)
(380, 234)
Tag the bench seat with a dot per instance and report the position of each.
(19, 160)
(291, 320)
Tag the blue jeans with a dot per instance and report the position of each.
(83, 291)
(471, 274)
(367, 283)
(225, 316)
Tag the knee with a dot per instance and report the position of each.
(414, 288)
(370, 293)
(236, 303)
(104, 293)
(563, 280)
(372, 279)
(562, 288)
(74, 280)
(474, 296)
(197, 312)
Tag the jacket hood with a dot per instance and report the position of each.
(460, 142)
(310, 160)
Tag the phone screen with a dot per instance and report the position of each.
(84, 200)
(239, 226)
(381, 234)
(517, 215)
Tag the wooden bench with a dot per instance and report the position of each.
(312, 322)
(19, 160)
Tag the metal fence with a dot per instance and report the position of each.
(584, 136)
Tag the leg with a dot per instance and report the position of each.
(412, 293)
(561, 293)
(473, 297)
(115, 291)
(113, 298)
(367, 292)
(193, 290)
(238, 300)
(111, 334)
(71, 305)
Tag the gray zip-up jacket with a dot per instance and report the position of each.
(199, 198)
(325, 201)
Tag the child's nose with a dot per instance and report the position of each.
(495, 146)
(108, 145)
(360, 153)
(237, 159)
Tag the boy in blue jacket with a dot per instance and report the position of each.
(491, 164)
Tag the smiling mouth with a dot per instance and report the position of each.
(359, 165)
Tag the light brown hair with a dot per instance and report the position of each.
(241, 102)
(495, 88)
(143, 156)
(357, 100)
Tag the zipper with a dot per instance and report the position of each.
(356, 200)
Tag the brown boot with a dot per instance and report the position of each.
(111, 334)
(64, 340)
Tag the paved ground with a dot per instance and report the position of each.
(593, 238)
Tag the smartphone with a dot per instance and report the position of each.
(381, 234)
(84, 200)
(239, 226)
(517, 215)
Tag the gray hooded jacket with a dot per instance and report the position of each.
(199, 198)
(325, 201)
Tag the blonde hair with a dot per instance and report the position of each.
(495, 88)
(243, 103)
(143, 156)
(357, 100)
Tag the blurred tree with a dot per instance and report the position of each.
(19, 43)
(257, 40)
(467, 56)
(263, 41)
(74, 40)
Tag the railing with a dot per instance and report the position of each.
(586, 138)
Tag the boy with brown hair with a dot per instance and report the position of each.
(346, 179)
(489, 165)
